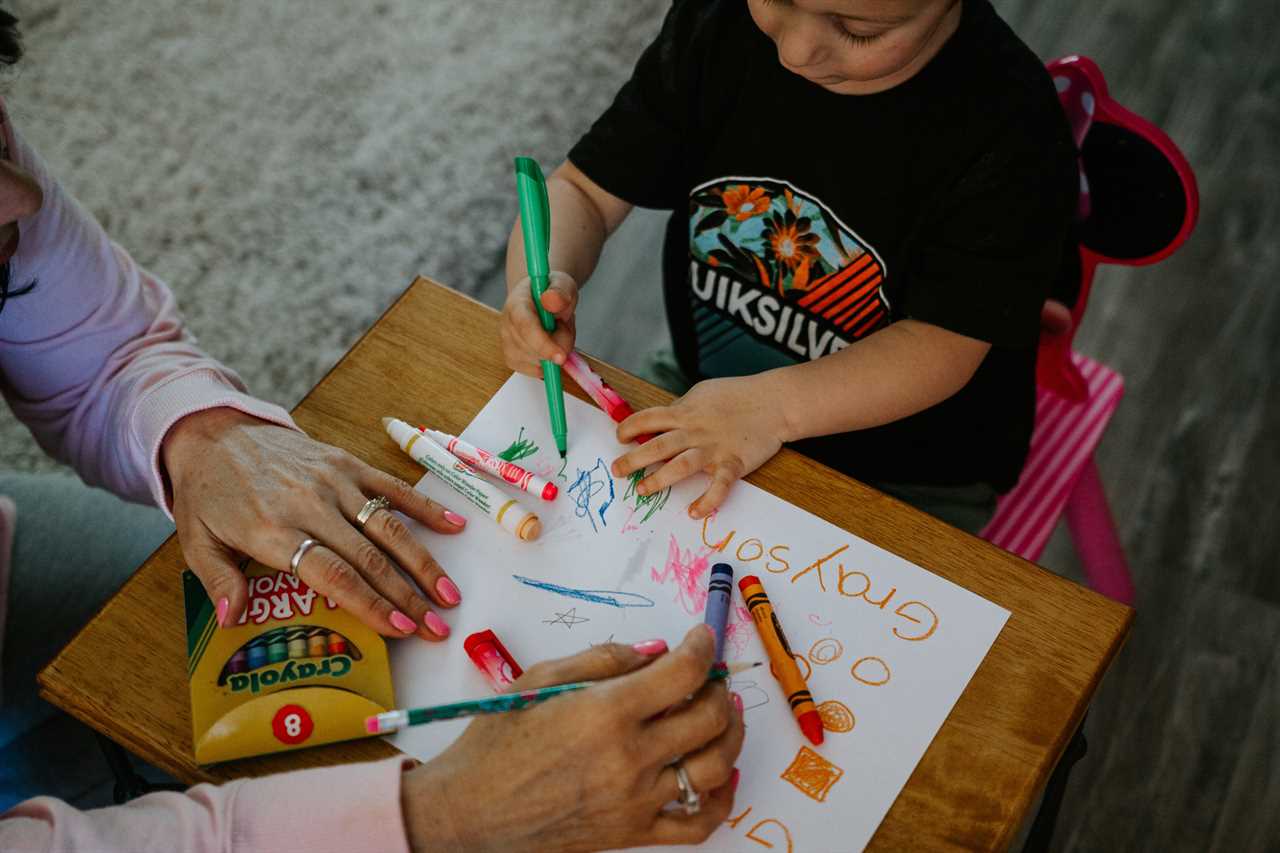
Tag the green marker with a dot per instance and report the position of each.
(535, 224)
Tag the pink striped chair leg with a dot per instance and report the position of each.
(1094, 532)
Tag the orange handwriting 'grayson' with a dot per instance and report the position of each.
(919, 621)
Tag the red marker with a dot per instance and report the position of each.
(492, 463)
(492, 658)
(597, 389)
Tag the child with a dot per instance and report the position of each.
(871, 198)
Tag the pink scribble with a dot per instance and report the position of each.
(736, 632)
(688, 570)
(627, 525)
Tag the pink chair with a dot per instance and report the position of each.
(1138, 204)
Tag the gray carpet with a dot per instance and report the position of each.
(288, 168)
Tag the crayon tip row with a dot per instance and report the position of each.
(293, 642)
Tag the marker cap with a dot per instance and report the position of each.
(492, 659)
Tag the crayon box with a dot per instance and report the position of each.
(295, 671)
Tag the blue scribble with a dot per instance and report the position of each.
(585, 489)
(613, 598)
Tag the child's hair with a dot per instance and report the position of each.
(10, 39)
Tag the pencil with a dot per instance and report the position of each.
(390, 721)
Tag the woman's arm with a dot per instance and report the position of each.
(348, 808)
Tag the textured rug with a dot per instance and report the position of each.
(288, 167)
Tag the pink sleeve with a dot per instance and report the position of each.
(95, 360)
(354, 807)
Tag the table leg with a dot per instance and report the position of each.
(129, 785)
(1041, 834)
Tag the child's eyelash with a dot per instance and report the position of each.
(855, 39)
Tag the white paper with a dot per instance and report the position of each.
(858, 617)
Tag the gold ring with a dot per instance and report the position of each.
(370, 507)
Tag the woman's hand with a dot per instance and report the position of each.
(589, 770)
(725, 427)
(242, 486)
(524, 342)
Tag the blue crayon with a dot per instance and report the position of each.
(719, 594)
(256, 651)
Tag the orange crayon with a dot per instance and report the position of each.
(782, 662)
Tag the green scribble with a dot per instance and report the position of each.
(649, 504)
(560, 473)
(519, 449)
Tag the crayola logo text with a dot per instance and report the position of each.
(334, 667)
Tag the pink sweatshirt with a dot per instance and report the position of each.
(97, 363)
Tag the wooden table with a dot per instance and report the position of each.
(124, 674)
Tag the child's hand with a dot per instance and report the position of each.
(524, 341)
(725, 427)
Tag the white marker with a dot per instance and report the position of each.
(464, 480)
(508, 472)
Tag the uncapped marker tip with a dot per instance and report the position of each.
(386, 422)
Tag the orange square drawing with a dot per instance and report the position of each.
(812, 774)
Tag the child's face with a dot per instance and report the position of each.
(856, 47)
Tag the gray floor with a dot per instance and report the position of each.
(289, 170)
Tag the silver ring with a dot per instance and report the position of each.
(307, 545)
(689, 798)
(370, 507)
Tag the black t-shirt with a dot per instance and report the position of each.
(806, 220)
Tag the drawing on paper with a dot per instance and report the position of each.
(812, 775)
(870, 670)
(590, 485)
(836, 716)
(646, 506)
(613, 598)
(687, 571)
(519, 449)
(767, 822)
(752, 695)
(567, 619)
(826, 650)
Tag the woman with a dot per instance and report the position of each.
(96, 361)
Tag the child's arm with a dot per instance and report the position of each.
(583, 215)
(730, 427)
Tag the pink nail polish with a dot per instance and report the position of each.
(455, 519)
(737, 703)
(733, 779)
(402, 623)
(650, 647)
(448, 591)
(435, 624)
(223, 604)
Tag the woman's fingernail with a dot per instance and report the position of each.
(223, 605)
(455, 519)
(448, 591)
(694, 512)
(733, 779)
(650, 647)
(402, 622)
(737, 703)
(435, 624)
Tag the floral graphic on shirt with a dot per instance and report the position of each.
(789, 241)
(743, 202)
(776, 277)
